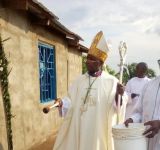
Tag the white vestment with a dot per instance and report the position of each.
(148, 108)
(134, 85)
(89, 126)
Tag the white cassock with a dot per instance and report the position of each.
(89, 126)
(134, 85)
(148, 108)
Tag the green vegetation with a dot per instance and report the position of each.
(5, 93)
(128, 73)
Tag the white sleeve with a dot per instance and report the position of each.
(137, 112)
(138, 108)
(66, 105)
(69, 100)
(124, 100)
(128, 91)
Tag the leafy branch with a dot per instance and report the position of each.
(4, 73)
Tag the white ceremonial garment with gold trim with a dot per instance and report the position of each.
(89, 126)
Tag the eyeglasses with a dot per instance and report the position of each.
(92, 61)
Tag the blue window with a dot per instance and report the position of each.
(47, 72)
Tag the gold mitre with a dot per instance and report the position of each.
(99, 47)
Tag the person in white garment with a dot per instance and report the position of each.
(134, 87)
(90, 106)
(147, 110)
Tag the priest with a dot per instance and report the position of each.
(90, 107)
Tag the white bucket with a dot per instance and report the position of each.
(129, 138)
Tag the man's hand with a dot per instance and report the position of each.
(57, 103)
(59, 100)
(133, 95)
(154, 128)
(130, 120)
(120, 89)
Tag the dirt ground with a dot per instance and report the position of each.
(46, 145)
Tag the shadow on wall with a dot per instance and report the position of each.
(1, 147)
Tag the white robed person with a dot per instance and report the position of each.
(147, 110)
(90, 105)
(134, 87)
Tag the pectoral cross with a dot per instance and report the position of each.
(85, 100)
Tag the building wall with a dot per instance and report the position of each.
(30, 126)
(74, 65)
(3, 134)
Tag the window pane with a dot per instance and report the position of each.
(47, 72)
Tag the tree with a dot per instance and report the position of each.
(84, 68)
(4, 87)
(151, 73)
(130, 70)
(109, 70)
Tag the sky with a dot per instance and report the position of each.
(137, 22)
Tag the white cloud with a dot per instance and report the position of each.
(135, 21)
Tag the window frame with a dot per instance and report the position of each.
(47, 72)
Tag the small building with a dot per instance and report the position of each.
(44, 58)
